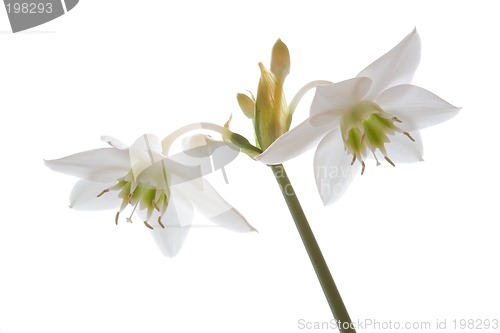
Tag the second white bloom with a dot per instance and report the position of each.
(377, 114)
(159, 189)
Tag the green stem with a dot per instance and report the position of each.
(332, 294)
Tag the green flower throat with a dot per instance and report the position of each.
(365, 128)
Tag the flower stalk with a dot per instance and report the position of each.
(325, 278)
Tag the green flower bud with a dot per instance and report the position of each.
(272, 118)
(247, 105)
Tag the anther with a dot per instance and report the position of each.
(376, 159)
(156, 206)
(396, 119)
(409, 136)
(148, 225)
(363, 138)
(103, 191)
(362, 167)
(159, 222)
(116, 217)
(353, 159)
(389, 160)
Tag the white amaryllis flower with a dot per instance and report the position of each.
(159, 189)
(377, 114)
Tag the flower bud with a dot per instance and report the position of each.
(280, 61)
(271, 110)
(247, 105)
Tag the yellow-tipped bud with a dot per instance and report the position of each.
(247, 105)
(280, 61)
(271, 111)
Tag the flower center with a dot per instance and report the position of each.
(365, 127)
(145, 197)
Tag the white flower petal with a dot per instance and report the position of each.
(416, 107)
(98, 165)
(84, 196)
(223, 154)
(402, 149)
(170, 239)
(185, 159)
(303, 91)
(207, 201)
(395, 67)
(144, 152)
(338, 97)
(332, 101)
(294, 142)
(332, 167)
(177, 222)
(202, 157)
(114, 142)
(167, 172)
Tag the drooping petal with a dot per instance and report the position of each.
(84, 196)
(401, 149)
(332, 167)
(207, 201)
(176, 221)
(294, 142)
(416, 107)
(337, 98)
(98, 165)
(395, 67)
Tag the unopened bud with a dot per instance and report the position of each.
(280, 61)
(247, 105)
(271, 111)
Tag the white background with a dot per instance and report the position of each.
(415, 243)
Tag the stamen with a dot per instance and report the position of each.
(363, 137)
(396, 119)
(148, 225)
(389, 160)
(408, 135)
(159, 222)
(116, 217)
(376, 159)
(156, 206)
(129, 219)
(362, 167)
(353, 159)
(103, 191)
